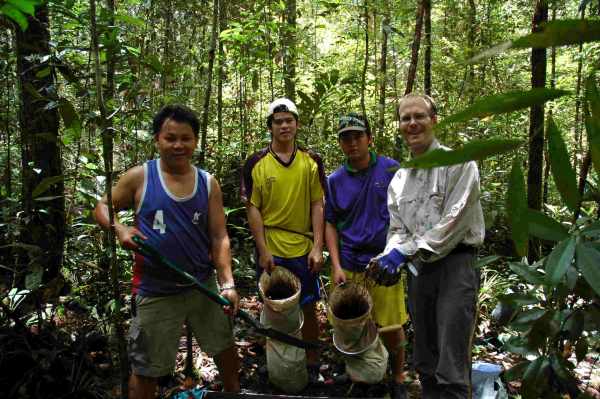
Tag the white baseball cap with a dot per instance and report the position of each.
(284, 105)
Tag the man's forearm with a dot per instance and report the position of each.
(102, 217)
(221, 255)
(331, 239)
(317, 220)
(257, 228)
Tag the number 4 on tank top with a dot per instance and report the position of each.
(159, 222)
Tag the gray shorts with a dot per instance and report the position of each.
(156, 329)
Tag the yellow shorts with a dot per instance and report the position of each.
(389, 308)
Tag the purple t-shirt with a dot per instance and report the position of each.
(356, 204)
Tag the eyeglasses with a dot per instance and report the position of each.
(419, 117)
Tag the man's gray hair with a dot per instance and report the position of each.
(428, 100)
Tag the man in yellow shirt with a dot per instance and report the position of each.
(282, 187)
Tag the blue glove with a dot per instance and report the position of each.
(385, 269)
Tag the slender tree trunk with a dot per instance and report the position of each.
(7, 117)
(385, 29)
(578, 119)
(207, 94)
(107, 149)
(414, 58)
(221, 77)
(427, 56)
(471, 38)
(289, 46)
(44, 221)
(167, 40)
(550, 111)
(363, 81)
(536, 124)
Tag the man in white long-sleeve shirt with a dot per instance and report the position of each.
(436, 223)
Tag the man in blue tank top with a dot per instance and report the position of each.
(178, 210)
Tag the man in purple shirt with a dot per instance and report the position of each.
(357, 221)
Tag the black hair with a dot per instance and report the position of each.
(177, 112)
(280, 108)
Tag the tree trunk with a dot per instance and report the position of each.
(578, 118)
(363, 81)
(167, 40)
(471, 44)
(385, 28)
(414, 58)
(221, 77)
(107, 153)
(8, 76)
(289, 46)
(43, 221)
(427, 57)
(207, 94)
(552, 86)
(536, 124)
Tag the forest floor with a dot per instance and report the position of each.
(255, 380)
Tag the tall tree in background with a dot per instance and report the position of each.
(211, 60)
(471, 44)
(385, 30)
(536, 123)
(363, 80)
(414, 58)
(289, 46)
(42, 174)
(427, 55)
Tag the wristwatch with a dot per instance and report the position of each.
(230, 286)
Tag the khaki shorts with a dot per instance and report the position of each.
(156, 329)
(389, 308)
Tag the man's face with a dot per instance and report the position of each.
(283, 127)
(355, 145)
(416, 124)
(176, 142)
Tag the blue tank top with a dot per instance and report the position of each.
(178, 228)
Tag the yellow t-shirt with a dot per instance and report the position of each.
(283, 194)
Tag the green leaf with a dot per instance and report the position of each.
(42, 73)
(592, 231)
(581, 349)
(13, 13)
(561, 33)
(130, 20)
(560, 165)
(69, 115)
(533, 377)
(519, 298)
(503, 103)
(562, 369)
(574, 325)
(474, 150)
(25, 6)
(516, 207)
(559, 260)
(592, 121)
(45, 184)
(516, 372)
(486, 261)
(530, 274)
(528, 316)
(517, 345)
(588, 263)
(33, 279)
(544, 227)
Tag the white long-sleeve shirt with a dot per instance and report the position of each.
(434, 210)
